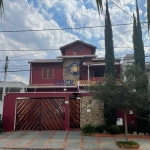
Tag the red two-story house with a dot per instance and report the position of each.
(55, 98)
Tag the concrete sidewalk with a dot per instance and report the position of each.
(61, 139)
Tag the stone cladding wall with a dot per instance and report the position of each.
(66, 64)
(95, 116)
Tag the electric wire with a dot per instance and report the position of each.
(130, 58)
(60, 29)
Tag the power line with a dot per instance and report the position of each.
(113, 35)
(60, 29)
(29, 54)
(124, 10)
(49, 51)
(130, 58)
(30, 50)
(121, 9)
(26, 50)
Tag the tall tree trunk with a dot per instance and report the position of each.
(126, 127)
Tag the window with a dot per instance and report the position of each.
(66, 72)
(47, 73)
(96, 73)
(77, 50)
(83, 72)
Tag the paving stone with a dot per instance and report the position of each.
(44, 136)
(75, 139)
(144, 144)
(59, 136)
(19, 132)
(3, 136)
(92, 145)
(74, 136)
(61, 132)
(33, 132)
(108, 143)
(5, 133)
(75, 132)
(14, 136)
(54, 145)
(4, 143)
(57, 139)
(19, 144)
(73, 145)
(38, 143)
(90, 139)
(120, 139)
(24, 140)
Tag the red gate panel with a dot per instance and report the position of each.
(74, 113)
(40, 114)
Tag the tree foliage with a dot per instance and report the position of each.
(124, 93)
(148, 13)
(139, 54)
(1, 7)
(109, 48)
(100, 9)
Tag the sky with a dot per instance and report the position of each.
(60, 14)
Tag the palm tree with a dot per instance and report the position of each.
(100, 9)
(1, 7)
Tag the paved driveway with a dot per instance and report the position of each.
(61, 139)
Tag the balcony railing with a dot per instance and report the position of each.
(96, 78)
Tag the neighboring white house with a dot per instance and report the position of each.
(12, 87)
(129, 60)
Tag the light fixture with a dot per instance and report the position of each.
(65, 89)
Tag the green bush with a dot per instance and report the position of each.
(127, 142)
(131, 129)
(89, 129)
(122, 129)
(114, 129)
(100, 128)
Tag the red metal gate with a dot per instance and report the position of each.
(74, 113)
(40, 114)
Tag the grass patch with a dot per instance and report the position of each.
(127, 143)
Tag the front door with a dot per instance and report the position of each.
(74, 113)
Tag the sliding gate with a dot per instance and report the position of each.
(40, 114)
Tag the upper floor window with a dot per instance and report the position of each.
(47, 73)
(78, 50)
(83, 72)
(96, 73)
(66, 71)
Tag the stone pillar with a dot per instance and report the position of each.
(91, 111)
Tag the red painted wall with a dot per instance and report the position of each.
(131, 119)
(85, 50)
(36, 77)
(9, 109)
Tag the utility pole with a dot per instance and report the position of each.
(5, 73)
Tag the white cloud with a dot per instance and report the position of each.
(48, 14)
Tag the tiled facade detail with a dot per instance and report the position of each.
(66, 64)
